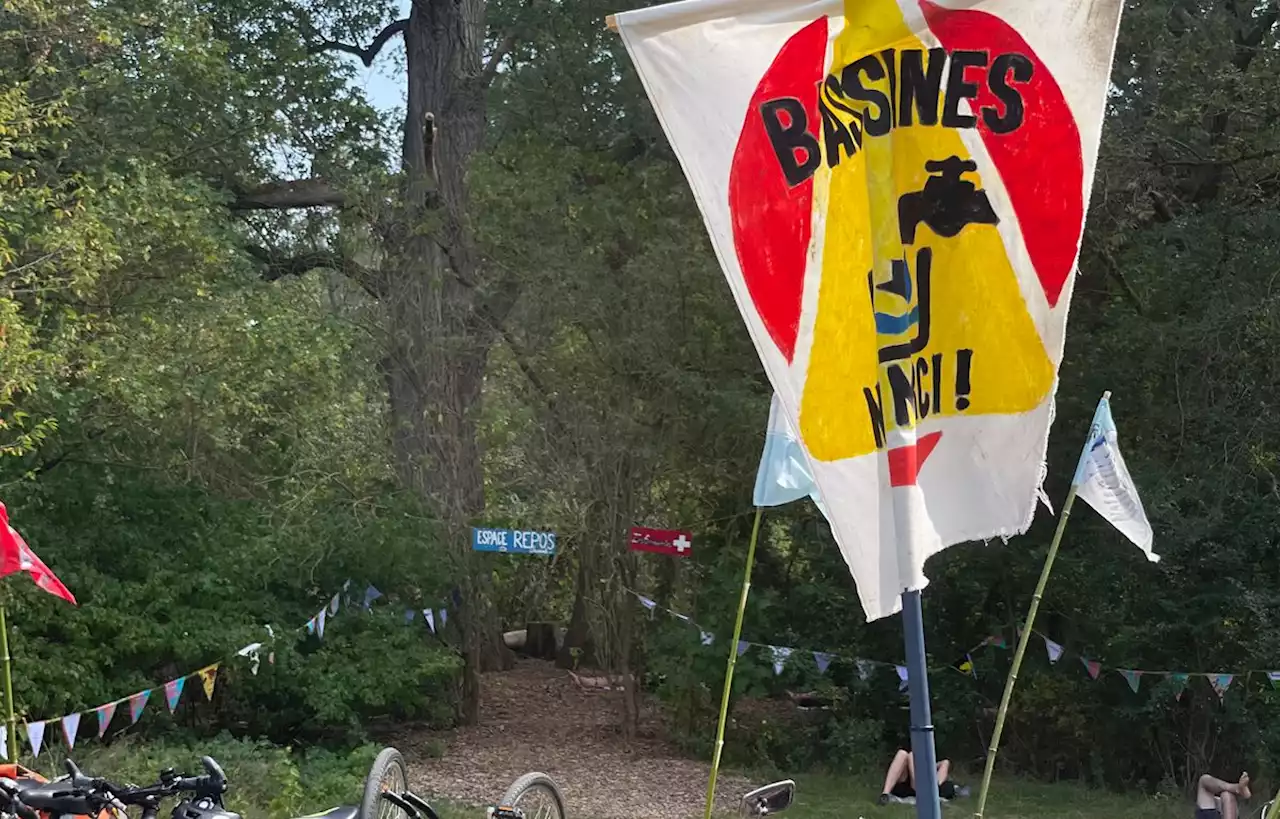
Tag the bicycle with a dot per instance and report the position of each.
(532, 796)
(77, 795)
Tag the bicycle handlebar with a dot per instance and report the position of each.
(212, 783)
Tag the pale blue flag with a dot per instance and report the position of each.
(785, 474)
(1102, 480)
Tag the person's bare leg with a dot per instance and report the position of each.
(911, 770)
(1230, 809)
(898, 770)
(944, 770)
(1209, 789)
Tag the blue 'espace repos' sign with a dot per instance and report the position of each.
(507, 541)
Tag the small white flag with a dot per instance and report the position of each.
(35, 735)
(784, 474)
(780, 656)
(1102, 480)
(320, 618)
(1055, 650)
(255, 660)
(70, 727)
(431, 619)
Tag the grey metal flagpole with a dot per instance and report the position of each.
(924, 754)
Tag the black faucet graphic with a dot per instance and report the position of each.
(947, 204)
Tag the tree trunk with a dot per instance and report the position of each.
(438, 337)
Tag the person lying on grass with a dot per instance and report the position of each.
(1216, 799)
(900, 781)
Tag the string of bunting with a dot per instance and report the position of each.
(208, 676)
(781, 655)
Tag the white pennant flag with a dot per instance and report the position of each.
(1102, 481)
(431, 620)
(780, 656)
(4, 741)
(251, 651)
(1055, 650)
(35, 735)
(70, 727)
(896, 192)
(320, 618)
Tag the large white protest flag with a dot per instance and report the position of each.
(1102, 480)
(896, 192)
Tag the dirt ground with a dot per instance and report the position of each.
(534, 718)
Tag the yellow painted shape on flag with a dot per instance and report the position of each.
(976, 301)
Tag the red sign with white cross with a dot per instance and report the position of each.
(661, 541)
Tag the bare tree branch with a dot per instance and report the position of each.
(278, 266)
(301, 193)
(495, 59)
(366, 55)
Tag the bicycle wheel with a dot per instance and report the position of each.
(537, 796)
(387, 774)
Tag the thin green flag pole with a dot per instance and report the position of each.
(11, 741)
(1025, 637)
(733, 661)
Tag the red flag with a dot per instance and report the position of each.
(661, 541)
(16, 556)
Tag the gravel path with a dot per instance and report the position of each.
(534, 718)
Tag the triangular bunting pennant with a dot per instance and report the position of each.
(333, 605)
(173, 692)
(409, 616)
(1274, 676)
(105, 714)
(208, 677)
(1132, 677)
(320, 618)
(443, 617)
(252, 652)
(823, 661)
(1220, 683)
(35, 736)
(1055, 650)
(370, 594)
(70, 728)
(430, 618)
(1094, 668)
(998, 642)
(780, 656)
(965, 666)
(311, 626)
(4, 741)
(902, 677)
(743, 645)
(708, 638)
(136, 703)
(1180, 682)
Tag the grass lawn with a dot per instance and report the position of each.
(827, 797)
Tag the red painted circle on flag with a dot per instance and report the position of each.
(771, 218)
